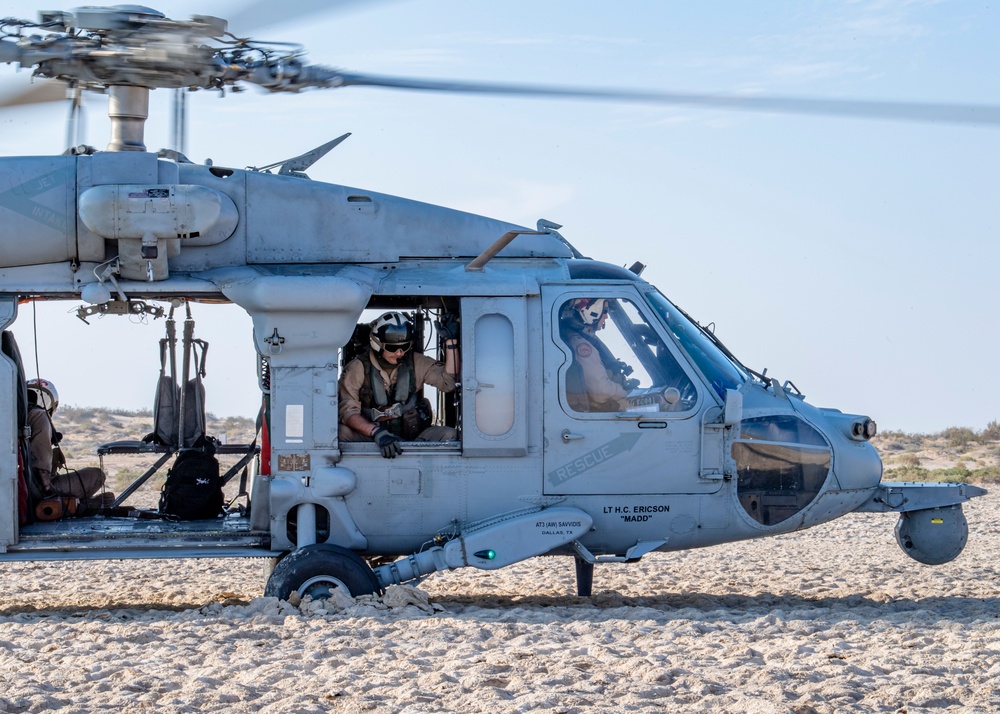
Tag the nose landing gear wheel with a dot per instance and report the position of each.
(318, 570)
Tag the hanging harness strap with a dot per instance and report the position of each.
(200, 362)
(167, 391)
(194, 395)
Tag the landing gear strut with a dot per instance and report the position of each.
(584, 577)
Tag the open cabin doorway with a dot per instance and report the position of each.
(107, 374)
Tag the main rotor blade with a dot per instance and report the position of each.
(264, 14)
(981, 114)
(41, 91)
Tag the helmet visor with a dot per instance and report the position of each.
(397, 346)
(395, 334)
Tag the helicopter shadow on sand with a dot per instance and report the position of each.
(122, 611)
(726, 607)
(607, 606)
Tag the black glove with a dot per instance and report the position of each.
(388, 442)
(448, 327)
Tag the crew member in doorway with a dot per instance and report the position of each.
(595, 381)
(380, 391)
(51, 477)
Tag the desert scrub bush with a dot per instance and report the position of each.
(910, 473)
(898, 440)
(77, 425)
(74, 413)
(908, 460)
(906, 473)
(955, 473)
(958, 437)
(991, 432)
(236, 423)
(119, 479)
(145, 412)
(989, 474)
(235, 428)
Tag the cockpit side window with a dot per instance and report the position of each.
(619, 361)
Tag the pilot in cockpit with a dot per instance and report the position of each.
(595, 381)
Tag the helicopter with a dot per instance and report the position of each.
(700, 451)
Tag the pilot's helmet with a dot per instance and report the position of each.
(589, 312)
(392, 331)
(45, 394)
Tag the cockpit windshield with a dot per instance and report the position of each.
(722, 372)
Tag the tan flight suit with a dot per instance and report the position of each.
(603, 394)
(81, 483)
(425, 371)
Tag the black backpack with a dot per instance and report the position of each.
(193, 489)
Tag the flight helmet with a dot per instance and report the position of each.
(391, 331)
(589, 312)
(46, 395)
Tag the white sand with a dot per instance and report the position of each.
(829, 620)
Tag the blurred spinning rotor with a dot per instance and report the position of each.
(97, 48)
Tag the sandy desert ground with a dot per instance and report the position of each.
(828, 620)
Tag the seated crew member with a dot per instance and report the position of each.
(47, 459)
(594, 382)
(379, 391)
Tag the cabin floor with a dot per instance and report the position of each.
(99, 537)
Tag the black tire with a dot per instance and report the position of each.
(317, 570)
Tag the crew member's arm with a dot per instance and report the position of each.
(451, 361)
(449, 329)
(349, 409)
(361, 425)
(599, 386)
(440, 375)
(350, 412)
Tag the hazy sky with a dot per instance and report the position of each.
(857, 258)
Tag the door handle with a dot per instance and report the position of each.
(568, 436)
(473, 386)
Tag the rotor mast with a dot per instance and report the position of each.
(128, 109)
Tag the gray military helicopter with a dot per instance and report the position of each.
(590, 417)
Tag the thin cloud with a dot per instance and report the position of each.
(525, 200)
(591, 42)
